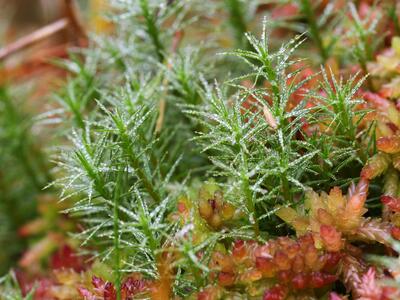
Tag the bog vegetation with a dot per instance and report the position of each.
(210, 150)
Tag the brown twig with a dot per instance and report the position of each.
(33, 38)
(71, 19)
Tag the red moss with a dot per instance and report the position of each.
(300, 281)
(389, 144)
(331, 237)
(239, 249)
(277, 292)
(284, 276)
(226, 279)
(331, 261)
(334, 296)
(109, 292)
(66, 258)
(266, 266)
(395, 232)
(319, 279)
(131, 286)
(391, 202)
(375, 166)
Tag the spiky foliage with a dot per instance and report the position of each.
(361, 32)
(314, 26)
(237, 137)
(10, 288)
(124, 148)
(115, 164)
(122, 163)
(152, 119)
(339, 113)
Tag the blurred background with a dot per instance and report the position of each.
(34, 35)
